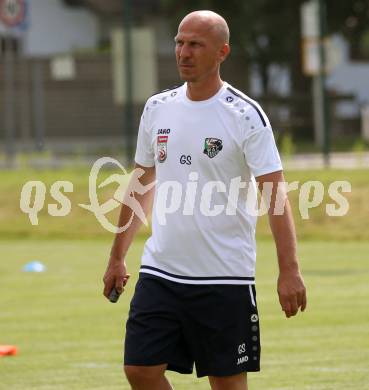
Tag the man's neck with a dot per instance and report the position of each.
(203, 90)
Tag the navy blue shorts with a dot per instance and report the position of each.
(215, 327)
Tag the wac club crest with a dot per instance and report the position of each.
(212, 146)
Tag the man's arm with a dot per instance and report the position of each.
(116, 272)
(291, 289)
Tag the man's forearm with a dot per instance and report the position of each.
(142, 188)
(281, 221)
(284, 234)
(123, 240)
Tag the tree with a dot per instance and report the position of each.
(351, 19)
(268, 32)
(262, 31)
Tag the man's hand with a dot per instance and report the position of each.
(140, 189)
(115, 276)
(291, 288)
(292, 292)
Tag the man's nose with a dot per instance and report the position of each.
(185, 51)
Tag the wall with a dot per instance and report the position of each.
(82, 110)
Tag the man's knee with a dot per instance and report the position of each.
(232, 382)
(138, 375)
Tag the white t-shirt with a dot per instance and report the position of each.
(203, 229)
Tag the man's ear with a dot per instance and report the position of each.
(224, 52)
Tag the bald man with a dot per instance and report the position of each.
(206, 144)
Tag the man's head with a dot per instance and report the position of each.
(202, 44)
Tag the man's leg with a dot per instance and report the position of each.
(233, 382)
(147, 377)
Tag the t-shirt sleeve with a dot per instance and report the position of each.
(259, 147)
(261, 152)
(144, 150)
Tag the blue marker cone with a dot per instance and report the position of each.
(34, 266)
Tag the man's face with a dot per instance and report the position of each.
(198, 52)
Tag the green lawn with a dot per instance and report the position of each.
(69, 337)
(80, 223)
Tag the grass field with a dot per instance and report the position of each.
(80, 223)
(70, 338)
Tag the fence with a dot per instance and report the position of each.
(80, 115)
